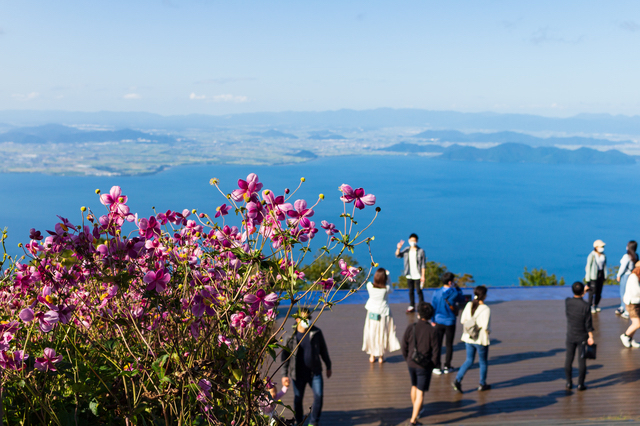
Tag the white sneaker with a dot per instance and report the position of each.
(593, 309)
(625, 314)
(626, 340)
(410, 308)
(437, 371)
(598, 309)
(634, 344)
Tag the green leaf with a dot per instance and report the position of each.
(93, 406)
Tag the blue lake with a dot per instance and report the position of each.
(487, 219)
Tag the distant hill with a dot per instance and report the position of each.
(275, 134)
(515, 137)
(305, 154)
(412, 148)
(520, 153)
(323, 135)
(56, 133)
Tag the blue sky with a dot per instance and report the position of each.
(179, 57)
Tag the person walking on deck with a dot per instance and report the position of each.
(476, 320)
(302, 366)
(632, 302)
(415, 267)
(595, 274)
(420, 337)
(627, 263)
(379, 329)
(446, 301)
(579, 332)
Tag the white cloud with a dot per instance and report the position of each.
(132, 96)
(27, 97)
(219, 98)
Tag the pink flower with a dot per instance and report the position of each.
(300, 210)
(222, 210)
(330, 228)
(157, 280)
(149, 227)
(48, 361)
(27, 315)
(357, 195)
(261, 297)
(223, 340)
(327, 284)
(113, 197)
(349, 272)
(13, 360)
(247, 188)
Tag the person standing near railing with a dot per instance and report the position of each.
(379, 334)
(415, 268)
(627, 263)
(595, 274)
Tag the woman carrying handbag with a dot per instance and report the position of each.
(379, 334)
(476, 319)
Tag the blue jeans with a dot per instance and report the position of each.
(623, 287)
(483, 355)
(299, 386)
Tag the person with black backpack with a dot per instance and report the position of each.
(420, 351)
(476, 322)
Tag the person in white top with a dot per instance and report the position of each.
(478, 313)
(627, 263)
(595, 274)
(632, 301)
(379, 335)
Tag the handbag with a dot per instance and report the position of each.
(589, 351)
(374, 317)
(471, 328)
(418, 357)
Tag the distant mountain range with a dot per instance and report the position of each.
(503, 137)
(518, 153)
(344, 118)
(274, 134)
(55, 133)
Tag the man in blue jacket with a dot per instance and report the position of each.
(446, 301)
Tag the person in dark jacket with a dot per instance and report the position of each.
(301, 365)
(579, 330)
(427, 343)
(446, 301)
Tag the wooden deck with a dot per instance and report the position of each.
(526, 372)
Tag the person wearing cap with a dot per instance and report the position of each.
(632, 302)
(595, 274)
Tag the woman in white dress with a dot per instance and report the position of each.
(379, 329)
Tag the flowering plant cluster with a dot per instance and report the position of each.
(173, 323)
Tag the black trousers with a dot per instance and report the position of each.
(411, 284)
(572, 348)
(595, 289)
(441, 332)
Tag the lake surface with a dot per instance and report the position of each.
(487, 219)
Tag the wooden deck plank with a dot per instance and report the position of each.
(526, 361)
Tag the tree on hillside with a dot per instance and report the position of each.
(313, 271)
(433, 277)
(539, 277)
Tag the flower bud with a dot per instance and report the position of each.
(286, 190)
(375, 265)
(378, 209)
(202, 215)
(20, 245)
(193, 211)
(302, 179)
(97, 191)
(214, 181)
(83, 209)
(321, 196)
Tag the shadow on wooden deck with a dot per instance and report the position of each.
(526, 371)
